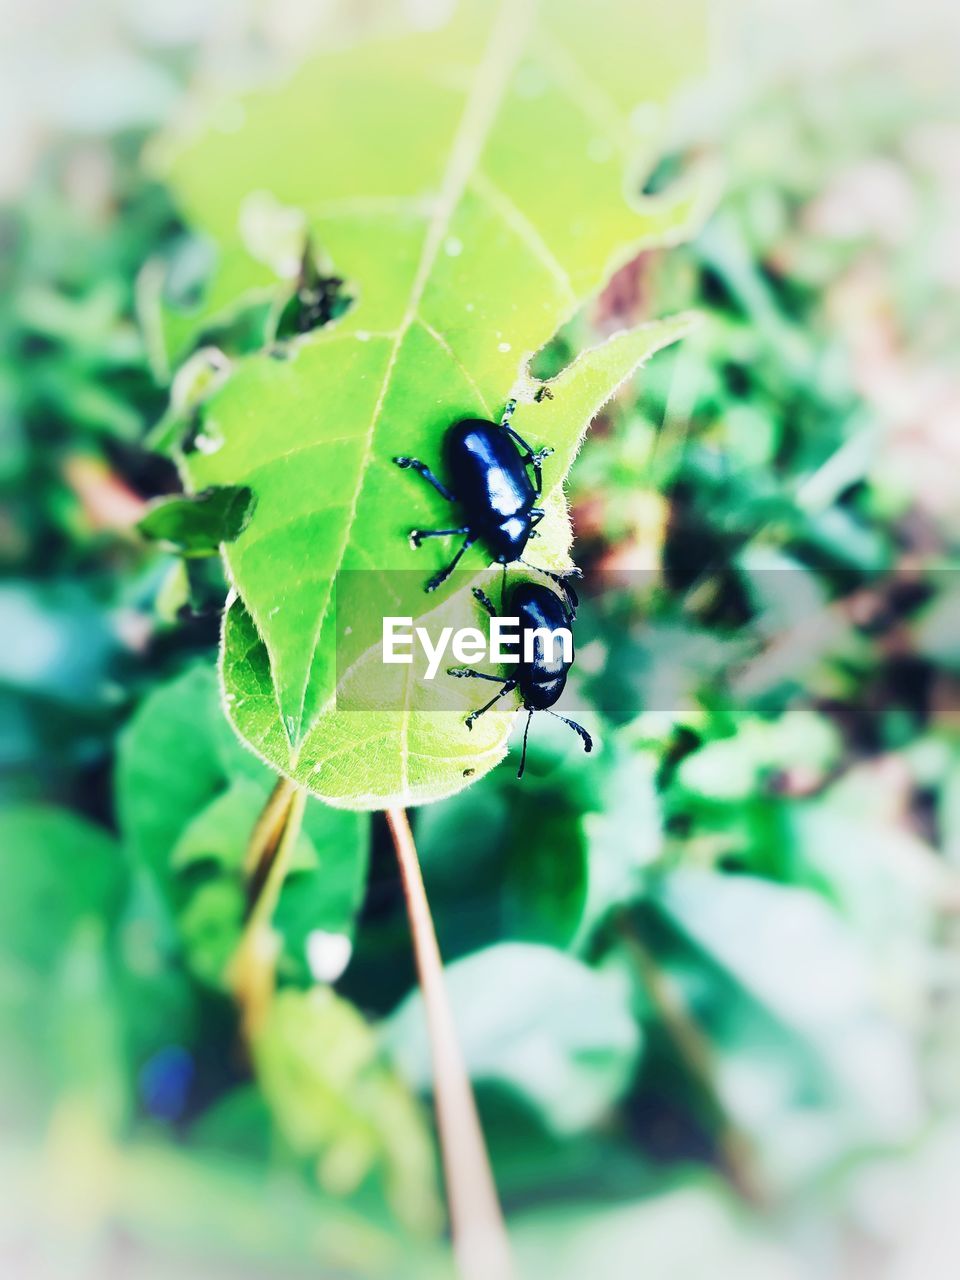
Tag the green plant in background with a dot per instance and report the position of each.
(694, 970)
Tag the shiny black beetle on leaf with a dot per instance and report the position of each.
(487, 465)
(540, 681)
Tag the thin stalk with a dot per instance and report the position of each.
(266, 833)
(480, 1241)
(695, 1052)
(254, 965)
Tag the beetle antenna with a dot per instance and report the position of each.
(509, 409)
(577, 728)
(575, 572)
(523, 754)
(561, 579)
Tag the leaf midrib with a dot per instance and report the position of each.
(504, 47)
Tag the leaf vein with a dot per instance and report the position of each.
(503, 50)
(468, 376)
(526, 230)
(595, 103)
(287, 523)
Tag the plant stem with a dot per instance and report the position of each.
(694, 1050)
(266, 834)
(255, 961)
(479, 1234)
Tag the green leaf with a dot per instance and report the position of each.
(371, 759)
(196, 524)
(336, 1100)
(188, 795)
(319, 898)
(61, 878)
(879, 872)
(397, 127)
(174, 758)
(205, 879)
(624, 835)
(803, 1055)
(506, 860)
(56, 870)
(545, 858)
(730, 769)
(536, 1020)
(468, 241)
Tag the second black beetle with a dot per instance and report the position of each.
(488, 466)
(541, 680)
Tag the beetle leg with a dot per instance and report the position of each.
(468, 673)
(577, 728)
(444, 574)
(523, 753)
(482, 598)
(421, 468)
(535, 460)
(418, 535)
(525, 449)
(508, 687)
(532, 458)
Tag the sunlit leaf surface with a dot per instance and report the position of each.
(420, 166)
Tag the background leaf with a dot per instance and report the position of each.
(189, 796)
(336, 1100)
(55, 871)
(61, 878)
(196, 524)
(537, 1021)
(784, 994)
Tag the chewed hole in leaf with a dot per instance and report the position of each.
(320, 297)
(189, 268)
(668, 171)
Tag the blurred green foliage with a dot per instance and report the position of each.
(707, 975)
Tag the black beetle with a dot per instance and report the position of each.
(487, 465)
(540, 681)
